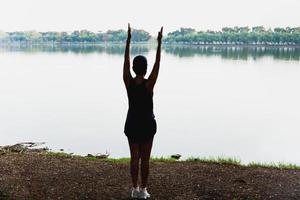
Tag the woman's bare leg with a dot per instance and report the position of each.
(134, 162)
(145, 150)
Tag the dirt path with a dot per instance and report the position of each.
(33, 176)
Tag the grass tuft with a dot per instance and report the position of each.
(62, 154)
(117, 160)
(217, 160)
(163, 159)
(279, 165)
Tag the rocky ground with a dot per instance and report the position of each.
(33, 176)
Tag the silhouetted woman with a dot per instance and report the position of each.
(140, 126)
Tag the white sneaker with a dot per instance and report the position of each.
(144, 194)
(135, 192)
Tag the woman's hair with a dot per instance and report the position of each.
(140, 65)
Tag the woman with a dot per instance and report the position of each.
(140, 126)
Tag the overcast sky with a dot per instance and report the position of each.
(95, 15)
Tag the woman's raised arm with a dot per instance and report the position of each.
(154, 73)
(126, 68)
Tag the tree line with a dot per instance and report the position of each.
(257, 35)
(74, 37)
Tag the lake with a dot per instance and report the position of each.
(208, 101)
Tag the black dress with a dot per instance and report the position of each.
(140, 125)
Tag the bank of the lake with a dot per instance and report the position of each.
(151, 42)
(61, 176)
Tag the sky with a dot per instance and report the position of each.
(99, 15)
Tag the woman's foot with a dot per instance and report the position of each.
(135, 191)
(144, 194)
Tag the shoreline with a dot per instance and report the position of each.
(16, 44)
(35, 148)
(208, 160)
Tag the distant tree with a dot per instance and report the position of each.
(258, 29)
(140, 35)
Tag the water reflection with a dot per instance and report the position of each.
(77, 49)
(233, 52)
(236, 53)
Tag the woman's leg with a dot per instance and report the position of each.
(134, 162)
(145, 150)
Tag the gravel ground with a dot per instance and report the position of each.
(37, 176)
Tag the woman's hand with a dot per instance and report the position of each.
(154, 73)
(129, 33)
(126, 69)
(159, 37)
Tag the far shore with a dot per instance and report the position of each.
(15, 44)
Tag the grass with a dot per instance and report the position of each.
(152, 159)
(163, 159)
(62, 154)
(234, 161)
(213, 160)
(117, 160)
(217, 160)
(274, 165)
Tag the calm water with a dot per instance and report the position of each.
(242, 103)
